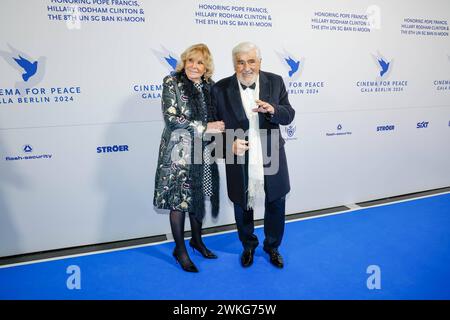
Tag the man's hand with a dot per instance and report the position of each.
(239, 147)
(263, 107)
(215, 127)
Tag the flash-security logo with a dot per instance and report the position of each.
(27, 148)
(167, 58)
(383, 65)
(339, 131)
(31, 70)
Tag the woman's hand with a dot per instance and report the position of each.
(215, 127)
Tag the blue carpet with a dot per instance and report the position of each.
(325, 258)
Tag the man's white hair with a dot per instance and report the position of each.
(245, 47)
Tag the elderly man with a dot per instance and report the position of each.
(255, 102)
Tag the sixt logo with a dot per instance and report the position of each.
(30, 69)
(423, 124)
(114, 148)
(167, 58)
(386, 128)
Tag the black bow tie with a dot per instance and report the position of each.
(252, 86)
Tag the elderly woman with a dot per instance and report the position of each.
(184, 176)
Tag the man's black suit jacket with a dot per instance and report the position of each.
(226, 99)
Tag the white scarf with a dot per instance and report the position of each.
(255, 158)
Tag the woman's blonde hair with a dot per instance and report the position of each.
(207, 59)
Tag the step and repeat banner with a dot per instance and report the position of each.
(80, 109)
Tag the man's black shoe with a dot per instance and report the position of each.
(247, 258)
(275, 257)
